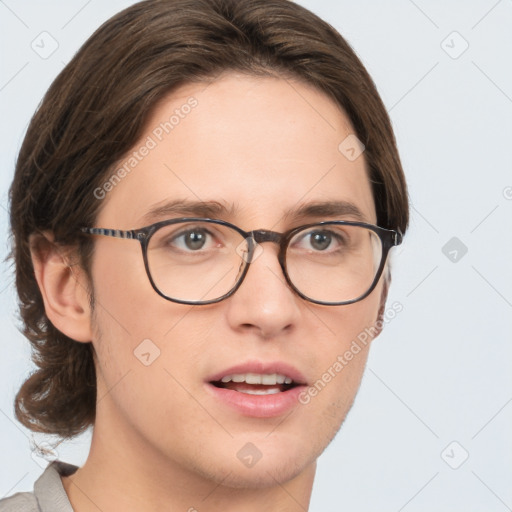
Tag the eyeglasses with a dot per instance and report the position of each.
(203, 261)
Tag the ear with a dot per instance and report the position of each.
(386, 281)
(64, 287)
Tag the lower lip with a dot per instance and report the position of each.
(258, 406)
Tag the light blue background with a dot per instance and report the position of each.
(441, 370)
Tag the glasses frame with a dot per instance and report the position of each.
(389, 238)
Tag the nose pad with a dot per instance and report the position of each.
(249, 250)
(244, 249)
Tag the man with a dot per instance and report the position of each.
(202, 212)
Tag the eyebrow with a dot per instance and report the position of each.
(186, 208)
(326, 209)
(215, 209)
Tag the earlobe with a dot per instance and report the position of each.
(63, 286)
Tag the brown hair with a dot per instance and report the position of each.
(95, 111)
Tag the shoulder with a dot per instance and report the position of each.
(48, 496)
(20, 502)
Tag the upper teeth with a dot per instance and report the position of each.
(258, 378)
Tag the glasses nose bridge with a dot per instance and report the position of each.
(259, 236)
(264, 235)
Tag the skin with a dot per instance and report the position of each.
(161, 442)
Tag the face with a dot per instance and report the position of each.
(261, 148)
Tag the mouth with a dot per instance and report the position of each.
(257, 389)
(256, 383)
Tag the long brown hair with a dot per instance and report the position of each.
(95, 111)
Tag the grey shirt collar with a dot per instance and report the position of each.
(48, 488)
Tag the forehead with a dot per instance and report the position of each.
(258, 146)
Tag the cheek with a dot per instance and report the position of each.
(128, 308)
(138, 334)
(147, 386)
(350, 323)
(341, 359)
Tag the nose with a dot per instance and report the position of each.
(264, 303)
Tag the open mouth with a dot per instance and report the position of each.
(258, 389)
(256, 383)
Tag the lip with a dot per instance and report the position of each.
(258, 406)
(261, 367)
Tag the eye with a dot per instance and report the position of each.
(319, 240)
(193, 239)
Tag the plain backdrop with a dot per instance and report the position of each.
(431, 426)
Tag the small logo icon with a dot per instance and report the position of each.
(45, 45)
(351, 147)
(507, 193)
(454, 249)
(243, 250)
(454, 45)
(249, 455)
(455, 455)
(43, 453)
(147, 352)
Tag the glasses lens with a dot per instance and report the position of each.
(334, 262)
(196, 261)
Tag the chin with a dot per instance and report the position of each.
(272, 462)
(263, 475)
